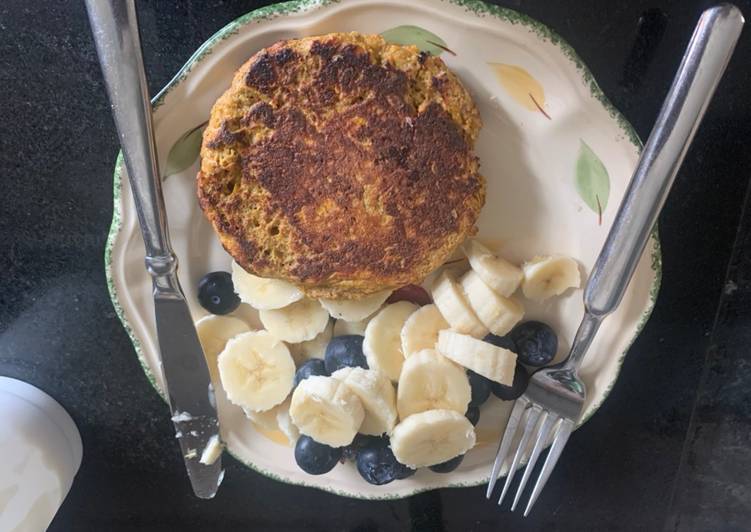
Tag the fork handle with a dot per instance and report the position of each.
(700, 71)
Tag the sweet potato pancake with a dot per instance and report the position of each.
(342, 164)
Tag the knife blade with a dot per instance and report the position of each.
(115, 27)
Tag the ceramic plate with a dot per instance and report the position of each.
(556, 154)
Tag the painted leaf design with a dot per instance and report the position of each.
(592, 179)
(184, 151)
(425, 40)
(521, 86)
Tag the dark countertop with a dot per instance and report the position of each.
(669, 449)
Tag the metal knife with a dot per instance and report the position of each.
(191, 396)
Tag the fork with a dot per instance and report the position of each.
(555, 397)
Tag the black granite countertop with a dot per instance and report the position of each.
(669, 449)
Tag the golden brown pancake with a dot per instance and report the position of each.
(342, 164)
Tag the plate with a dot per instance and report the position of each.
(557, 157)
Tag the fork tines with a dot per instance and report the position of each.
(538, 425)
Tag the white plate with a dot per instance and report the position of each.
(553, 149)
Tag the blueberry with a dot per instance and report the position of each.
(403, 471)
(216, 293)
(480, 388)
(345, 351)
(509, 393)
(447, 466)
(536, 343)
(315, 458)
(473, 414)
(360, 441)
(377, 465)
(314, 366)
(501, 341)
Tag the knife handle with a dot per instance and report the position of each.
(115, 28)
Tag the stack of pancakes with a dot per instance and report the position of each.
(342, 164)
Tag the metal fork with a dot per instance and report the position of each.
(555, 397)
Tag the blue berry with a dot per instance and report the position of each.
(361, 440)
(501, 341)
(315, 458)
(473, 414)
(216, 293)
(345, 351)
(480, 388)
(536, 343)
(314, 366)
(447, 466)
(517, 388)
(377, 465)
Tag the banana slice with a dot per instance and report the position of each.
(432, 437)
(344, 328)
(266, 419)
(327, 410)
(546, 277)
(214, 332)
(274, 419)
(430, 381)
(493, 362)
(263, 293)
(314, 348)
(383, 345)
(497, 313)
(377, 396)
(256, 370)
(284, 422)
(499, 274)
(298, 322)
(450, 300)
(355, 309)
(249, 315)
(420, 331)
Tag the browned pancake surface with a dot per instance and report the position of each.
(342, 164)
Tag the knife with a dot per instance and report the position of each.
(189, 391)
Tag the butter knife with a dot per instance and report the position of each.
(191, 396)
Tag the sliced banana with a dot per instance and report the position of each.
(355, 309)
(284, 422)
(344, 328)
(377, 395)
(546, 277)
(499, 314)
(493, 362)
(274, 419)
(266, 419)
(314, 348)
(383, 345)
(263, 293)
(295, 323)
(256, 370)
(499, 274)
(430, 381)
(420, 331)
(249, 315)
(214, 332)
(327, 410)
(432, 437)
(450, 300)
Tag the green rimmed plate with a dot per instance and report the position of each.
(557, 157)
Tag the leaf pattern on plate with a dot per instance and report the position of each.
(184, 151)
(521, 86)
(592, 180)
(425, 40)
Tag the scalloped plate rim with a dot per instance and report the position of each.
(475, 7)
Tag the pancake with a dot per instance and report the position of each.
(342, 164)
